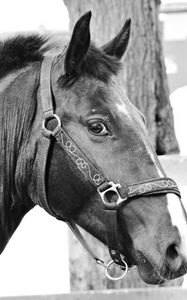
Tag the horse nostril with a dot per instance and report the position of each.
(171, 251)
(174, 257)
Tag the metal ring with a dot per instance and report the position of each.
(57, 128)
(116, 278)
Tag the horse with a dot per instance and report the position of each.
(73, 143)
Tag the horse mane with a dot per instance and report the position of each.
(17, 111)
(19, 51)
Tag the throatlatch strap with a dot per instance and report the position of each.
(40, 166)
(81, 239)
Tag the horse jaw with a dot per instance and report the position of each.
(163, 261)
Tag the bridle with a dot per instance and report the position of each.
(111, 194)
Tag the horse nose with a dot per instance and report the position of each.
(176, 257)
(176, 247)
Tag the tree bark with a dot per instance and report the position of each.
(144, 78)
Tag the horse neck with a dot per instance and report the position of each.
(16, 114)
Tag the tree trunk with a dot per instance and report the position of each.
(144, 79)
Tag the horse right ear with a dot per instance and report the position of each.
(118, 45)
(79, 43)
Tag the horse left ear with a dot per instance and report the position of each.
(79, 43)
(118, 45)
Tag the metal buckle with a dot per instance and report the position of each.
(108, 267)
(112, 188)
(125, 270)
(101, 263)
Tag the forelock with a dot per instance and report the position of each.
(97, 64)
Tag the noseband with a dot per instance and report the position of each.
(111, 194)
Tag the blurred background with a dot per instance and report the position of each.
(36, 259)
(174, 19)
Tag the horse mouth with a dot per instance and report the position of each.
(147, 271)
(152, 273)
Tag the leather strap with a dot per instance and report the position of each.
(45, 85)
(82, 162)
(40, 167)
(153, 187)
(111, 233)
(81, 239)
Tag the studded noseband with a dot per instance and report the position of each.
(112, 194)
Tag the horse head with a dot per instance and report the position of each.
(111, 132)
(93, 164)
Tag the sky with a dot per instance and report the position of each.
(26, 15)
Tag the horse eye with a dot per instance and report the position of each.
(97, 128)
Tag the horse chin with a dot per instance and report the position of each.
(148, 270)
(151, 274)
(152, 278)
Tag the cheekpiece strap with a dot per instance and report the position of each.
(45, 87)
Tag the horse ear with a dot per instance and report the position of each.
(79, 43)
(118, 45)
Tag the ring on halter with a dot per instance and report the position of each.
(56, 130)
(119, 277)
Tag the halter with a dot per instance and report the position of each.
(111, 194)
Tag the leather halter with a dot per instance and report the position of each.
(112, 194)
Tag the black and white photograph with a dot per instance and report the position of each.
(93, 150)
